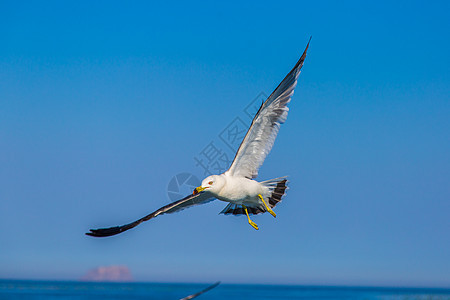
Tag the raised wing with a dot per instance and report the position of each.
(261, 135)
(176, 206)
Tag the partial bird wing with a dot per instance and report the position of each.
(261, 135)
(176, 206)
(201, 292)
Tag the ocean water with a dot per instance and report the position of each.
(15, 289)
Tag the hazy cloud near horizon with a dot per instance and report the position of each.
(108, 273)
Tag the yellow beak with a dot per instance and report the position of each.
(198, 190)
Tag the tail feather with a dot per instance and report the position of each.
(277, 192)
(237, 209)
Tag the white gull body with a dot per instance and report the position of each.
(236, 189)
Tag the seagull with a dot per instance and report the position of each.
(237, 185)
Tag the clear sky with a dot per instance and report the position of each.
(102, 103)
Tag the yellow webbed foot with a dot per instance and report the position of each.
(253, 224)
(273, 213)
(267, 207)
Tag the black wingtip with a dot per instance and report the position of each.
(104, 232)
(299, 63)
(307, 45)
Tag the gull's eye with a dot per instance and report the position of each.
(210, 182)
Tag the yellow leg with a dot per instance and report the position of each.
(248, 217)
(267, 207)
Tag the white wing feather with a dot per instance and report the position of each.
(261, 135)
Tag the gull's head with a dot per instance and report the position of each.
(211, 184)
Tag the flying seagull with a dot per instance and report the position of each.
(237, 185)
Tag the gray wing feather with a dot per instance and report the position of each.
(261, 135)
(176, 206)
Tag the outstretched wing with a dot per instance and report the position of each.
(261, 135)
(201, 292)
(176, 206)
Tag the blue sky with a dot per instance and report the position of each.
(101, 104)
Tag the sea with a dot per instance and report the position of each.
(20, 289)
